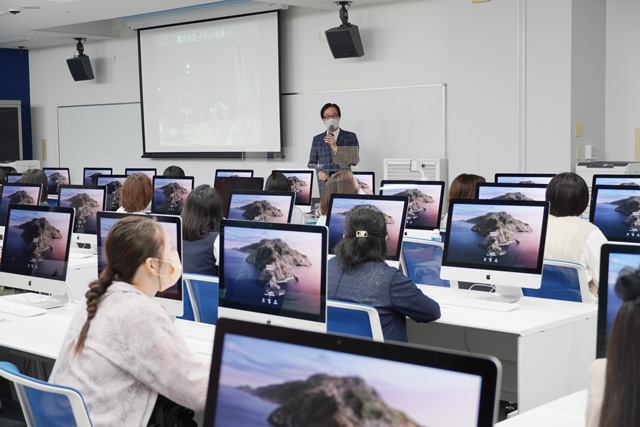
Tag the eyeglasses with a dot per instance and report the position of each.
(333, 116)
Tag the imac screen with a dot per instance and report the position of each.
(87, 202)
(169, 194)
(366, 182)
(113, 183)
(301, 183)
(425, 201)
(394, 209)
(36, 241)
(614, 259)
(150, 172)
(496, 235)
(624, 180)
(615, 210)
(91, 175)
(170, 223)
(529, 192)
(13, 177)
(224, 186)
(277, 269)
(269, 206)
(56, 178)
(234, 173)
(522, 178)
(17, 194)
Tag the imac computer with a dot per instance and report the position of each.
(169, 194)
(261, 375)
(496, 191)
(224, 185)
(301, 182)
(17, 194)
(172, 298)
(615, 258)
(366, 181)
(35, 254)
(55, 178)
(623, 180)
(274, 273)
(150, 172)
(496, 242)
(234, 173)
(394, 209)
(87, 201)
(113, 184)
(524, 178)
(90, 175)
(13, 177)
(269, 206)
(425, 205)
(616, 212)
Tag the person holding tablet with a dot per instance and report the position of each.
(333, 150)
(358, 273)
(123, 350)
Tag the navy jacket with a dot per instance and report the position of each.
(321, 156)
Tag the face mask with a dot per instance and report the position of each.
(332, 122)
(168, 280)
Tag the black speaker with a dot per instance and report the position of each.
(80, 68)
(345, 42)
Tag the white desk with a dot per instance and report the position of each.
(80, 273)
(545, 346)
(568, 411)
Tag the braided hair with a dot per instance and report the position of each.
(622, 379)
(365, 232)
(130, 242)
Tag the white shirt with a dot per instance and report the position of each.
(132, 352)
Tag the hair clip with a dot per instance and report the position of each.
(361, 233)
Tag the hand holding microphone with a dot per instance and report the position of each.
(331, 139)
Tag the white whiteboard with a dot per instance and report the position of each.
(404, 122)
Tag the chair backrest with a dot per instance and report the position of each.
(422, 260)
(45, 404)
(566, 281)
(354, 319)
(202, 293)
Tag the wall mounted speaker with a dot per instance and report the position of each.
(345, 42)
(80, 68)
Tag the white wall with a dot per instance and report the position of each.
(623, 79)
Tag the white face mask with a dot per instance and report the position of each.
(168, 280)
(332, 122)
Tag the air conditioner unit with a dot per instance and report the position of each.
(423, 170)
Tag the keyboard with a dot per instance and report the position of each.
(479, 303)
(20, 310)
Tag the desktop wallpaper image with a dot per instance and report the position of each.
(259, 207)
(87, 203)
(169, 195)
(617, 213)
(424, 203)
(301, 185)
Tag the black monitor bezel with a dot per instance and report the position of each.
(410, 182)
(88, 187)
(592, 208)
(486, 367)
(543, 236)
(524, 175)
(614, 176)
(366, 197)
(321, 317)
(84, 173)
(504, 184)
(114, 177)
(228, 179)
(291, 194)
(154, 205)
(309, 172)
(130, 171)
(4, 186)
(55, 193)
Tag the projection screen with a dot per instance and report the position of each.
(211, 89)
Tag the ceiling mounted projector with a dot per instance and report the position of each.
(79, 65)
(344, 41)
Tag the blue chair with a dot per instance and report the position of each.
(45, 404)
(422, 260)
(566, 281)
(354, 319)
(202, 294)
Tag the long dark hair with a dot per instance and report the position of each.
(129, 243)
(202, 212)
(622, 379)
(365, 232)
(277, 182)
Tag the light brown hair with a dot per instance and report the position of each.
(137, 192)
(464, 186)
(340, 183)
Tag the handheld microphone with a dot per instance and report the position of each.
(331, 129)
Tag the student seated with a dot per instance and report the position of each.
(342, 182)
(279, 182)
(358, 273)
(4, 171)
(201, 216)
(464, 186)
(570, 238)
(37, 176)
(614, 383)
(173, 172)
(123, 350)
(137, 192)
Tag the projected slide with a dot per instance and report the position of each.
(211, 87)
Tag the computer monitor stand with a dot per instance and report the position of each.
(41, 300)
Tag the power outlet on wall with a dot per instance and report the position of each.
(590, 152)
(578, 152)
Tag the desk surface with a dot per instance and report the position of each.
(568, 411)
(532, 314)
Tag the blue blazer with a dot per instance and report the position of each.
(321, 156)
